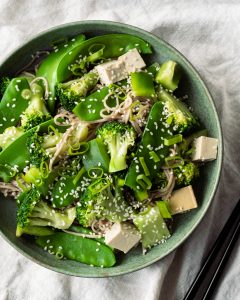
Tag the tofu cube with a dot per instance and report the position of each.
(182, 200)
(122, 236)
(132, 60)
(205, 149)
(111, 72)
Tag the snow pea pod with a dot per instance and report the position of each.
(78, 248)
(151, 150)
(96, 156)
(89, 108)
(49, 68)
(14, 101)
(112, 45)
(65, 191)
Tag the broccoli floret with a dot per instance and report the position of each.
(9, 135)
(4, 82)
(177, 113)
(36, 112)
(102, 199)
(33, 211)
(70, 93)
(42, 146)
(185, 174)
(37, 152)
(118, 137)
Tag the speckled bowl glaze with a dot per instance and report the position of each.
(199, 99)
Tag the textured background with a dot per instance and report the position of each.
(207, 33)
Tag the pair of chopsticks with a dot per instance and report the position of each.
(207, 278)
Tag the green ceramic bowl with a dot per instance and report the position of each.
(199, 99)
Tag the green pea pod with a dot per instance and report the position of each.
(113, 45)
(96, 156)
(14, 102)
(142, 84)
(66, 190)
(84, 230)
(145, 163)
(11, 162)
(49, 68)
(89, 108)
(78, 248)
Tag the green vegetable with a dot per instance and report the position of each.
(71, 92)
(185, 145)
(90, 107)
(179, 116)
(11, 162)
(143, 162)
(84, 230)
(96, 156)
(36, 112)
(41, 146)
(32, 211)
(34, 230)
(84, 250)
(169, 75)
(164, 209)
(9, 135)
(185, 174)
(110, 46)
(13, 102)
(4, 82)
(142, 84)
(101, 201)
(153, 69)
(57, 66)
(50, 66)
(118, 137)
(175, 139)
(152, 227)
(65, 190)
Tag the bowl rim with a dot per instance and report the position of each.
(220, 145)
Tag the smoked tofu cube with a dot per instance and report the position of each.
(111, 72)
(182, 200)
(132, 60)
(122, 236)
(205, 149)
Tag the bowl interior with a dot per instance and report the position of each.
(200, 101)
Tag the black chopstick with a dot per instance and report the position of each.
(206, 280)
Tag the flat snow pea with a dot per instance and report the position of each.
(84, 230)
(151, 152)
(78, 248)
(14, 102)
(16, 156)
(89, 108)
(113, 45)
(49, 68)
(96, 156)
(66, 190)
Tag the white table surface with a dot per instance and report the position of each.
(208, 34)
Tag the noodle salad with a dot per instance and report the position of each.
(97, 150)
